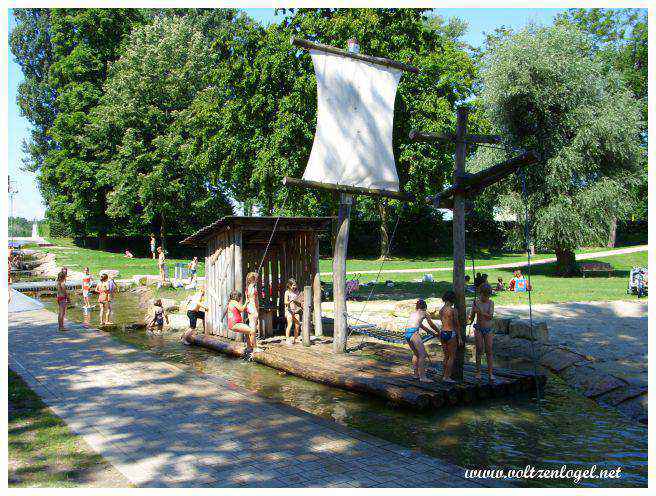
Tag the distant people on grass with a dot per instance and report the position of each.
(252, 300)
(483, 311)
(86, 288)
(501, 286)
(104, 297)
(159, 316)
(413, 338)
(62, 299)
(193, 268)
(292, 310)
(161, 259)
(236, 322)
(449, 336)
(128, 254)
(196, 309)
(518, 283)
(152, 245)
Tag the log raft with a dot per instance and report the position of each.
(387, 377)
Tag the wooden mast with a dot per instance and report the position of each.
(459, 241)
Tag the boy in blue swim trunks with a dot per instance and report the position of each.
(483, 310)
(449, 337)
(412, 337)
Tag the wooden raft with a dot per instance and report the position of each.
(386, 376)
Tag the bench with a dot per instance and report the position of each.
(596, 267)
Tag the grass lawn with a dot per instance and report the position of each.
(42, 450)
(77, 259)
(547, 286)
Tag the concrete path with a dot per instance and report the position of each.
(541, 261)
(614, 333)
(162, 426)
(21, 303)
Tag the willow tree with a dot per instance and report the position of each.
(544, 91)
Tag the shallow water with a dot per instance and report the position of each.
(510, 433)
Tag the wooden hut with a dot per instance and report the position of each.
(234, 246)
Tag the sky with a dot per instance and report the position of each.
(27, 201)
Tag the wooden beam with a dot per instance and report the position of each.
(307, 315)
(459, 244)
(311, 45)
(468, 184)
(316, 290)
(353, 190)
(451, 137)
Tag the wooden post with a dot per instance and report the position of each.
(459, 241)
(307, 315)
(340, 332)
(316, 291)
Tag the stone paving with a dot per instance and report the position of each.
(162, 426)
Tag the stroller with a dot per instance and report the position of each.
(638, 282)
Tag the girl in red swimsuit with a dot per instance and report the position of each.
(236, 321)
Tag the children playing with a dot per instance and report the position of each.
(413, 338)
(252, 301)
(236, 323)
(86, 288)
(193, 267)
(62, 299)
(483, 310)
(104, 297)
(501, 286)
(292, 310)
(449, 336)
(159, 316)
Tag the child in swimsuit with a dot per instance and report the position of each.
(449, 336)
(413, 338)
(193, 267)
(159, 316)
(103, 299)
(86, 287)
(483, 310)
(62, 299)
(236, 322)
(252, 301)
(292, 310)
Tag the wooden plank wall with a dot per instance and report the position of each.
(220, 281)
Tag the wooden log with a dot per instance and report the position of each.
(307, 316)
(340, 332)
(451, 137)
(310, 45)
(459, 243)
(343, 188)
(316, 288)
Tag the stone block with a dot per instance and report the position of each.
(501, 325)
(520, 328)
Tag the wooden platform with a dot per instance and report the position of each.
(376, 369)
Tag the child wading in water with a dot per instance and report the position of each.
(104, 296)
(292, 310)
(236, 322)
(159, 316)
(62, 299)
(483, 310)
(412, 337)
(86, 287)
(449, 336)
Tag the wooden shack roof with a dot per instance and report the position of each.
(285, 224)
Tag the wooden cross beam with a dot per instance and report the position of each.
(464, 186)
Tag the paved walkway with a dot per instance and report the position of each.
(541, 261)
(164, 427)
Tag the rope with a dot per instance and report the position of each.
(273, 232)
(530, 287)
(372, 330)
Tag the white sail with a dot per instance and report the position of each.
(355, 113)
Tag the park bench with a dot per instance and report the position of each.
(596, 267)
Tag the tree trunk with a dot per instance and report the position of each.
(565, 262)
(612, 235)
(162, 232)
(384, 233)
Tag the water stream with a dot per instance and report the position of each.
(507, 433)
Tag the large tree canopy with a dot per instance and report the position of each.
(544, 91)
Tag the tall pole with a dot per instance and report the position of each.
(340, 332)
(459, 252)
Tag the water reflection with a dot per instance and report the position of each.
(509, 433)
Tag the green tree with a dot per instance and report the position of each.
(154, 178)
(544, 91)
